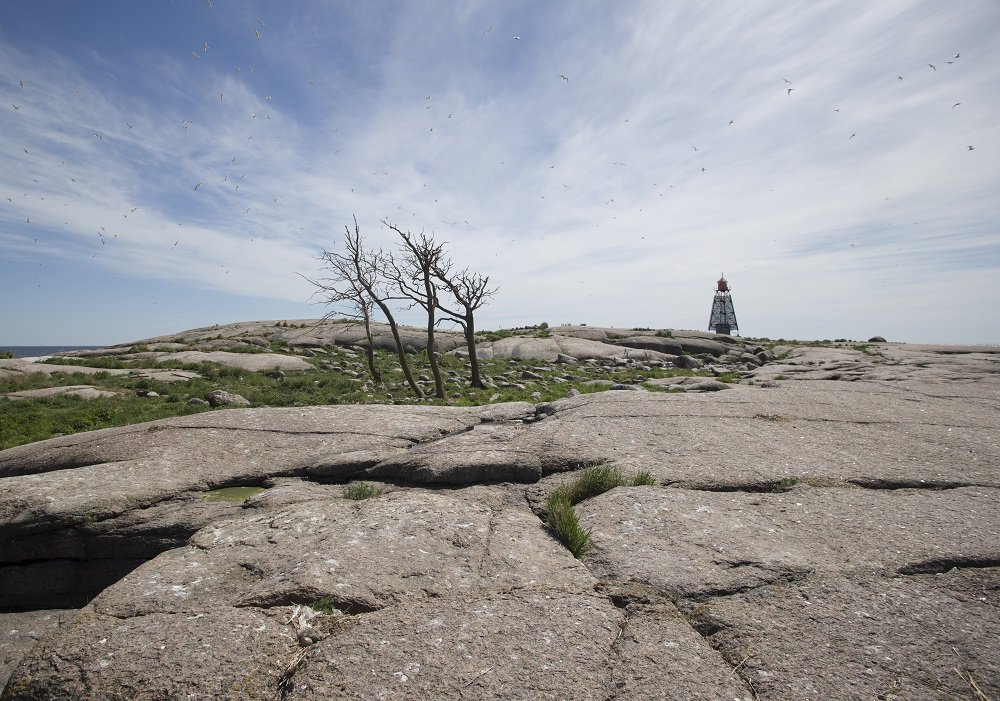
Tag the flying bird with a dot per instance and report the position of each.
(971, 148)
(696, 148)
(194, 54)
(516, 38)
(787, 81)
(932, 66)
(257, 32)
(957, 56)
(899, 77)
(790, 91)
(20, 83)
(489, 29)
(564, 77)
(16, 107)
(956, 105)
(730, 122)
(204, 46)
(197, 186)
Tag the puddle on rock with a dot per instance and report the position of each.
(233, 494)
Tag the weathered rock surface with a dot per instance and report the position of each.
(829, 528)
(18, 366)
(81, 391)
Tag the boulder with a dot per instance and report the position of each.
(224, 399)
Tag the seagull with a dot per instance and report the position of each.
(195, 54)
(971, 148)
(197, 186)
(516, 38)
(932, 66)
(899, 77)
(16, 107)
(956, 105)
(696, 148)
(787, 81)
(957, 56)
(204, 46)
(130, 126)
(489, 29)
(220, 97)
(790, 91)
(851, 137)
(730, 122)
(564, 77)
(257, 32)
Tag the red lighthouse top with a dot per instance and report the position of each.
(723, 286)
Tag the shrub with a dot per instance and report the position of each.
(361, 490)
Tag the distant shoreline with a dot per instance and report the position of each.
(37, 351)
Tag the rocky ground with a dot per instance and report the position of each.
(829, 527)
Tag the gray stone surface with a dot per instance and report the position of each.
(81, 391)
(828, 528)
(18, 366)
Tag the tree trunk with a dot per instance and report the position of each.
(370, 350)
(470, 341)
(431, 350)
(403, 362)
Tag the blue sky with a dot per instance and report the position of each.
(169, 165)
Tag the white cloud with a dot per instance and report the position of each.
(585, 199)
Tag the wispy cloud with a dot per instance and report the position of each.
(603, 163)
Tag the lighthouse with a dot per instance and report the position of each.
(723, 317)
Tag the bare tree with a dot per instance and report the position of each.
(470, 291)
(355, 281)
(413, 276)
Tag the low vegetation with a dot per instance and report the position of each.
(358, 491)
(563, 521)
(338, 376)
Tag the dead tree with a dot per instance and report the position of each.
(470, 291)
(356, 281)
(412, 273)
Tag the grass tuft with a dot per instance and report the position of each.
(563, 521)
(565, 526)
(361, 490)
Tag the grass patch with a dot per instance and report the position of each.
(361, 490)
(563, 521)
(323, 605)
(565, 526)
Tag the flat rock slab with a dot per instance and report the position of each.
(66, 496)
(20, 631)
(228, 654)
(243, 361)
(17, 366)
(357, 555)
(695, 544)
(525, 644)
(81, 391)
(926, 637)
(549, 348)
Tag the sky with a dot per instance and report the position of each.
(175, 164)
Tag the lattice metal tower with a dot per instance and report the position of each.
(723, 318)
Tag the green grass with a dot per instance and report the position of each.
(330, 381)
(361, 490)
(563, 521)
